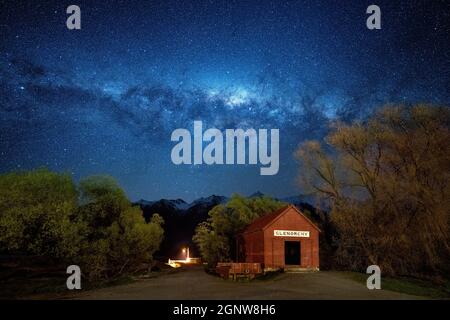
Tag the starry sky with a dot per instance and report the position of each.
(105, 99)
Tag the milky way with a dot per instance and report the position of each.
(105, 99)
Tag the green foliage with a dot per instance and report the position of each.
(119, 240)
(42, 213)
(213, 247)
(37, 213)
(96, 187)
(216, 238)
(102, 202)
(127, 243)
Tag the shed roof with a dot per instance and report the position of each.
(263, 222)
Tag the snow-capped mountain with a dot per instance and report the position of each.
(180, 204)
(257, 194)
(213, 199)
(311, 199)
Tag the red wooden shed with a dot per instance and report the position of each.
(285, 239)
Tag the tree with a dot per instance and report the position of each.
(43, 213)
(216, 237)
(119, 240)
(212, 246)
(388, 183)
(37, 213)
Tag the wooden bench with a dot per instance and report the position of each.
(237, 270)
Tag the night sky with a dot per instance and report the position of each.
(105, 99)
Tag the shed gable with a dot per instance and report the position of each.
(294, 214)
(262, 223)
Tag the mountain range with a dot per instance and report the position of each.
(181, 205)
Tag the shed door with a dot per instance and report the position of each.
(292, 253)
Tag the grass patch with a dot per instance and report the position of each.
(41, 281)
(407, 285)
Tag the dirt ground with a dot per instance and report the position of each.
(194, 283)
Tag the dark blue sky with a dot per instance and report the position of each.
(105, 99)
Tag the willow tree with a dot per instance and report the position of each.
(38, 214)
(387, 181)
